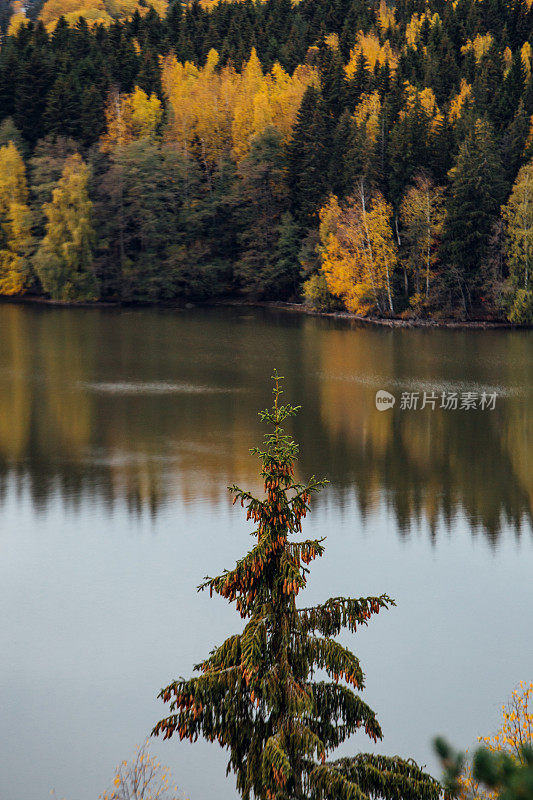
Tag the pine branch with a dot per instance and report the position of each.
(390, 778)
(339, 713)
(337, 613)
(338, 661)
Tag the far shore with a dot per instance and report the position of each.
(297, 308)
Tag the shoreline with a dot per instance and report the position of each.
(278, 305)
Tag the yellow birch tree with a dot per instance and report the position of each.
(64, 259)
(15, 222)
(422, 216)
(358, 251)
(130, 117)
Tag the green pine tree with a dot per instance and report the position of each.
(476, 192)
(308, 158)
(287, 266)
(255, 693)
(63, 108)
(262, 199)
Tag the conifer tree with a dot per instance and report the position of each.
(256, 694)
(262, 201)
(287, 264)
(62, 113)
(476, 193)
(308, 158)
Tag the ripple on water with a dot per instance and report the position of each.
(151, 387)
(438, 385)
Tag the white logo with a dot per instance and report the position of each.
(384, 400)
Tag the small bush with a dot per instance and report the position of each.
(317, 294)
(521, 311)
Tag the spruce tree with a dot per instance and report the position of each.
(255, 693)
(308, 158)
(261, 201)
(477, 190)
(63, 109)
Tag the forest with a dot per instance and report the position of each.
(352, 155)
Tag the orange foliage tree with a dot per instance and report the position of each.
(358, 251)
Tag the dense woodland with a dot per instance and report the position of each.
(352, 154)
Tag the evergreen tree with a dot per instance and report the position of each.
(308, 158)
(409, 149)
(92, 119)
(33, 82)
(63, 108)
(9, 64)
(360, 82)
(46, 166)
(511, 92)
(138, 211)
(476, 193)
(286, 262)
(333, 83)
(10, 133)
(342, 175)
(256, 694)
(262, 200)
(514, 142)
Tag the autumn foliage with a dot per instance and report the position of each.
(358, 251)
(219, 136)
(515, 733)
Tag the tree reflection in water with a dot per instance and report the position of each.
(139, 407)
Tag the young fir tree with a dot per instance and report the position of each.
(256, 694)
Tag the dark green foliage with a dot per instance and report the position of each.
(308, 159)
(142, 190)
(262, 198)
(9, 132)
(255, 693)
(62, 115)
(360, 82)
(163, 233)
(409, 147)
(286, 272)
(477, 190)
(92, 119)
(34, 78)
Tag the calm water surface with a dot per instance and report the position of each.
(119, 432)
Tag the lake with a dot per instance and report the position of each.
(119, 433)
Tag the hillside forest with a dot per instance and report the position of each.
(365, 156)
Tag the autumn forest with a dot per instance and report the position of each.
(360, 156)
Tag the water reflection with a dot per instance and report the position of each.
(138, 407)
